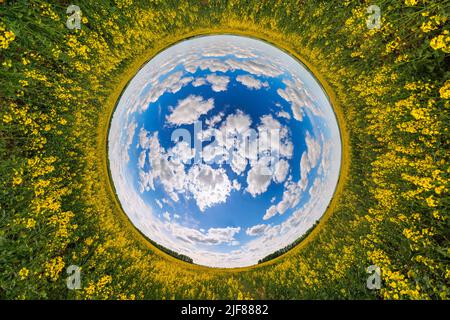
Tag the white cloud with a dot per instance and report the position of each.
(255, 67)
(231, 137)
(214, 236)
(211, 122)
(271, 212)
(298, 96)
(181, 152)
(218, 83)
(171, 174)
(198, 82)
(291, 198)
(214, 65)
(259, 177)
(172, 83)
(235, 141)
(144, 138)
(236, 124)
(189, 110)
(166, 216)
(214, 153)
(281, 171)
(209, 186)
(228, 49)
(274, 138)
(284, 114)
(310, 158)
(239, 61)
(250, 82)
(141, 160)
(238, 163)
(257, 230)
(131, 129)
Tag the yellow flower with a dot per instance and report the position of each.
(410, 3)
(6, 38)
(7, 118)
(427, 27)
(439, 189)
(54, 267)
(445, 90)
(23, 273)
(17, 180)
(442, 42)
(431, 202)
(31, 223)
(7, 63)
(88, 241)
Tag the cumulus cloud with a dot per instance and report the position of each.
(291, 198)
(265, 149)
(166, 216)
(214, 65)
(259, 177)
(189, 110)
(198, 82)
(231, 138)
(141, 160)
(238, 163)
(256, 230)
(211, 122)
(271, 212)
(255, 67)
(298, 96)
(214, 236)
(310, 158)
(209, 186)
(131, 129)
(181, 152)
(294, 190)
(251, 82)
(170, 174)
(274, 138)
(172, 83)
(229, 49)
(238, 61)
(284, 114)
(218, 83)
(281, 171)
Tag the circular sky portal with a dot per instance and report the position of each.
(224, 149)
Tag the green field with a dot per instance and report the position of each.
(390, 88)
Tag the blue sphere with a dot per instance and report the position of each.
(224, 149)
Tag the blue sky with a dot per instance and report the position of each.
(219, 214)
